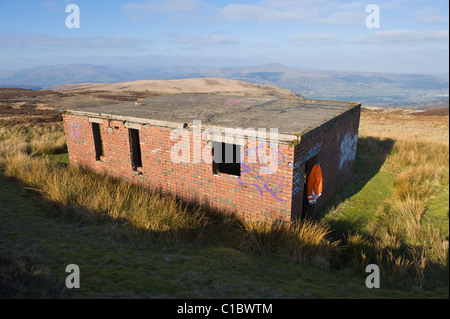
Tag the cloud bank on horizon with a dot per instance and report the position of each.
(412, 36)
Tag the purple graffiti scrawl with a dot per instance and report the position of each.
(74, 130)
(234, 102)
(273, 183)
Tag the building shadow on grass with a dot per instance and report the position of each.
(371, 154)
(223, 230)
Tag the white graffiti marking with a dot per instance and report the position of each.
(348, 149)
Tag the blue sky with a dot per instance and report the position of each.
(413, 36)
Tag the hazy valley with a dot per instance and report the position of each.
(371, 89)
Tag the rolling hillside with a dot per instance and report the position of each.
(201, 85)
(378, 89)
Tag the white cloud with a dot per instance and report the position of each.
(319, 12)
(430, 19)
(204, 40)
(302, 39)
(53, 41)
(379, 37)
(428, 16)
(292, 3)
(163, 6)
(262, 14)
(403, 36)
(343, 18)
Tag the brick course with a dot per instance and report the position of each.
(252, 195)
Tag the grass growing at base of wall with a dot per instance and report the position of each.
(390, 231)
(117, 261)
(163, 217)
(157, 216)
(307, 241)
(83, 192)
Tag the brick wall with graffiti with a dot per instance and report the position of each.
(333, 146)
(258, 192)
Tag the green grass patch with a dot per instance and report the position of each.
(437, 213)
(59, 158)
(355, 206)
(134, 243)
(117, 261)
(355, 212)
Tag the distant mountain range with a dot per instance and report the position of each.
(381, 89)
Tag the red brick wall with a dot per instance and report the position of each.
(253, 194)
(334, 143)
(262, 196)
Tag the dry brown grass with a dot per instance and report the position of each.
(398, 239)
(103, 196)
(200, 85)
(306, 241)
(85, 193)
(403, 125)
(32, 139)
(420, 155)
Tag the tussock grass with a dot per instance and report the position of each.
(408, 251)
(398, 224)
(103, 196)
(410, 152)
(401, 266)
(398, 240)
(306, 241)
(44, 139)
(418, 183)
(20, 276)
(164, 216)
(91, 195)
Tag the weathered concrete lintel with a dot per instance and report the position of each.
(95, 120)
(133, 125)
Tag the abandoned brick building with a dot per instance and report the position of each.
(174, 143)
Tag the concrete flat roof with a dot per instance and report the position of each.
(292, 117)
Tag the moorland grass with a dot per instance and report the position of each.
(409, 251)
(404, 238)
(157, 215)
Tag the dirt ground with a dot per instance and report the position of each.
(437, 112)
(20, 106)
